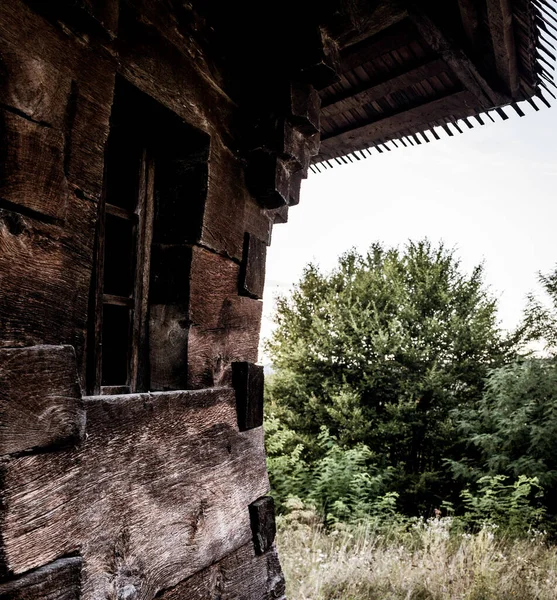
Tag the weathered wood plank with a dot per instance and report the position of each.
(380, 89)
(40, 398)
(268, 177)
(32, 166)
(464, 69)
(236, 338)
(470, 22)
(252, 272)
(59, 580)
(33, 85)
(227, 197)
(294, 188)
(362, 21)
(460, 103)
(45, 278)
(264, 529)
(88, 119)
(500, 18)
(248, 381)
(158, 491)
(304, 104)
(240, 576)
(224, 326)
(168, 346)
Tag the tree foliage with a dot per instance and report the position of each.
(381, 352)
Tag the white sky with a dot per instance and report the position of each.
(490, 192)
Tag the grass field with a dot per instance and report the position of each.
(423, 561)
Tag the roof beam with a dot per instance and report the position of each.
(365, 21)
(500, 17)
(462, 66)
(383, 88)
(470, 22)
(459, 104)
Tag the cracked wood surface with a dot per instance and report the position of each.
(158, 490)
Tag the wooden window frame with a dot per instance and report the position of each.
(138, 301)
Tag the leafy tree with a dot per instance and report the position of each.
(381, 351)
(513, 428)
(540, 317)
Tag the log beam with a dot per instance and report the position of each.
(391, 127)
(157, 491)
(59, 580)
(463, 67)
(380, 89)
(500, 17)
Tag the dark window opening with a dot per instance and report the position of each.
(154, 187)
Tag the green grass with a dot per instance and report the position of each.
(426, 561)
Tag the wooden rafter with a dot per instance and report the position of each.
(380, 89)
(470, 22)
(459, 62)
(500, 17)
(365, 22)
(392, 126)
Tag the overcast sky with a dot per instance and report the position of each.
(490, 193)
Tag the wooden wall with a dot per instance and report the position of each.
(138, 495)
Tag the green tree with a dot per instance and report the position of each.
(540, 315)
(381, 351)
(512, 429)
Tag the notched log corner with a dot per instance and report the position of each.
(263, 527)
(252, 272)
(60, 580)
(268, 178)
(40, 398)
(248, 382)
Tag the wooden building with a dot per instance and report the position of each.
(148, 147)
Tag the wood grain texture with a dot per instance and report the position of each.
(459, 103)
(45, 273)
(304, 102)
(32, 166)
(88, 119)
(224, 326)
(227, 196)
(59, 580)
(157, 492)
(33, 85)
(240, 576)
(168, 346)
(248, 381)
(268, 178)
(252, 272)
(463, 67)
(380, 88)
(501, 27)
(40, 398)
(263, 527)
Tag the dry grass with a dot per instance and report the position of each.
(426, 563)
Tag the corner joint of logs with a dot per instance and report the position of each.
(263, 526)
(248, 382)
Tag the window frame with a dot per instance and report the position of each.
(142, 218)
